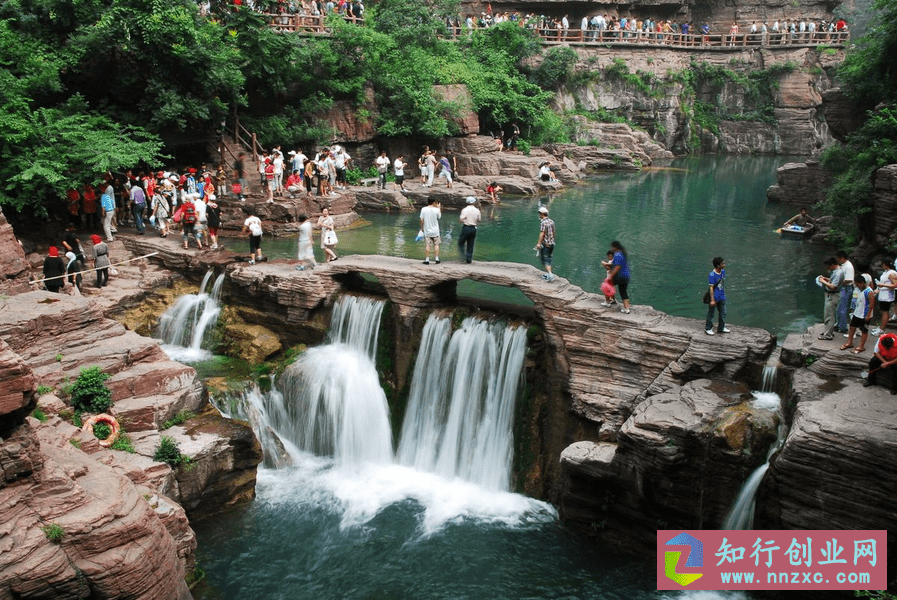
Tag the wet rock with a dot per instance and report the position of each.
(680, 459)
(253, 343)
(833, 471)
(802, 184)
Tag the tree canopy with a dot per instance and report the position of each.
(869, 76)
(90, 86)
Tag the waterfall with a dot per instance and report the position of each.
(461, 404)
(325, 431)
(356, 322)
(330, 403)
(741, 515)
(184, 326)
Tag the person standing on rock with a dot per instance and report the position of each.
(429, 225)
(846, 299)
(885, 357)
(545, 244)
(715, 280)
(862, 314)
(54, 271)
(445, 171)
(431, 167)
(399, 171)
(328, 234)
(832, 287)
(887, 283)
(253, 226)
(101, 260)
(382, 164)
(213, 221)
(470, 218)
(619, 273)
(306, 254)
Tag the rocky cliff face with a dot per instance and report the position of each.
(109, 541)
(641, 85)
(81, 520)
(841, 449)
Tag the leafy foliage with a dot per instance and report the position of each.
(872, 146)
(102, 431)
(178, 419)
(168, 452)
(868, 70)
(556, 68)
(89, 393)
(54, 532)
(123, 442)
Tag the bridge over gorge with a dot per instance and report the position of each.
(313, 25)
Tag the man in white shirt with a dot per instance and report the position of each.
(470, 218)
(846, 290)
(429, 225)
(399, 170)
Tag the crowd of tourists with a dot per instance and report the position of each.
(599, 27)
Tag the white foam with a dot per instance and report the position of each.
(186, 355)
(766, 401)
(361, 492)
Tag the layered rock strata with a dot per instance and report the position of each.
(836, 468)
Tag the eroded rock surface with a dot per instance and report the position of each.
(836, 468)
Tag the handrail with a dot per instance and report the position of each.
(315, 25)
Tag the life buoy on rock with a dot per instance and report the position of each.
(105, 420)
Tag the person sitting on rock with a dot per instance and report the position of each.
(545, 172)
(885, 357)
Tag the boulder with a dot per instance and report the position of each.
(834, 471)
(15, 271)
(224, 454)
(802, 184)
(463, 117)
(699, 440)
(111, 542)
(253, 343)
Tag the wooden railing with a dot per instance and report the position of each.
(315, 25)
(307, 24)
(692, 40)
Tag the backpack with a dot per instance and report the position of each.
(189, 214)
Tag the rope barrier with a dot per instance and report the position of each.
(124, 262)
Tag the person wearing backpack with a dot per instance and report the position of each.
(138, 203)
(189, 219)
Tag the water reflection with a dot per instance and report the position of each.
(673, 221)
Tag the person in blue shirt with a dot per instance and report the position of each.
(717, 297)
(619, 273)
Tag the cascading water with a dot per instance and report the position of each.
(456, 443)
(741, 515)
(184, 326)
(356, 322)
(461, 404)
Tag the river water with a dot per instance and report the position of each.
(323, 529)
(672, 221)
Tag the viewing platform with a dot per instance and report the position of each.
(315, 25)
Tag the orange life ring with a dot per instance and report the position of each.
(105, 420)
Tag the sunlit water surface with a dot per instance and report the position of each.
(320, 530)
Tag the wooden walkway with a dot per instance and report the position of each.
(313, 25)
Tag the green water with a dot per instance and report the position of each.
(316, 531)
(672, 223)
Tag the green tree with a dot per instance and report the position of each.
(869, 70)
